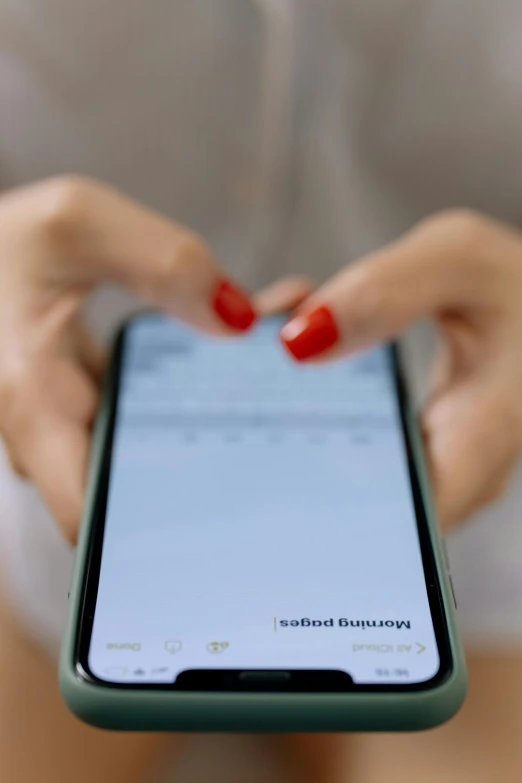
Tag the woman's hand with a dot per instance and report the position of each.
(465, 271)
(59, 239)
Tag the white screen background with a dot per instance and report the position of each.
(247, 492)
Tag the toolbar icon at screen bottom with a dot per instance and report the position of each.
(173, 646)
(217, 647)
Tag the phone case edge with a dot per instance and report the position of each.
(116, 709)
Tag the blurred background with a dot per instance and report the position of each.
(295, 136)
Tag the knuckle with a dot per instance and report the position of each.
(189, 251)
(188, 254)
(464, 229)
(63, 207)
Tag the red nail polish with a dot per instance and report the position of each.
(233, 306)
(310, 334)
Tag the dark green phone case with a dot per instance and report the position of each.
(155, 710)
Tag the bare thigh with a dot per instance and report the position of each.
(40, 740)
(482, 744)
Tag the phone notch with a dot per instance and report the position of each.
(264, 678)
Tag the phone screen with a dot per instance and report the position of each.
(258, 515)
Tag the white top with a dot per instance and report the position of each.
(294, 135)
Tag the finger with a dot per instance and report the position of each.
(92, 356)
(15, 464)
(473, 435)
(72, 339)
(52, 450)
(103, 235)
(57, 463)
(45, 423)
(439, 266)
(458, 353)
(441, 372)
(49, 383)
(498, 485)
(283, 296)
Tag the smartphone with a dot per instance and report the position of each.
(259, 550)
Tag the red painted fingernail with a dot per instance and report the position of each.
(233, 306)
(310, 334)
